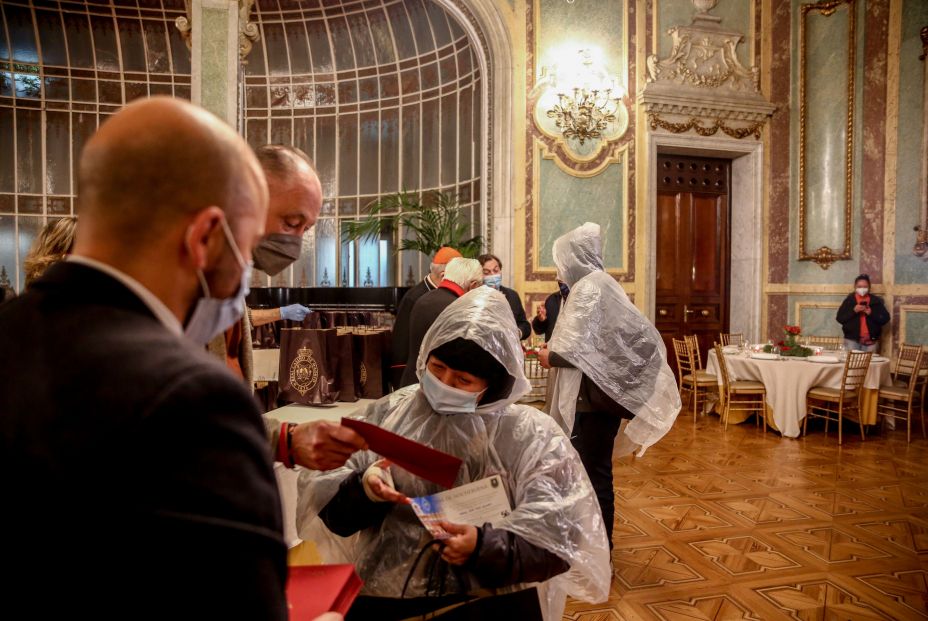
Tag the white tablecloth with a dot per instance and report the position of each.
(788, 380)
(287, 478)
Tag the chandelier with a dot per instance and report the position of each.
(585, 108)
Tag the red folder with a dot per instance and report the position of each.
(419, 459)
(313, 590)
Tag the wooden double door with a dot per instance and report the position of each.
(693, 249)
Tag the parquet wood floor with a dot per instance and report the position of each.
(735, 525)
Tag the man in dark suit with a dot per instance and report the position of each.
(493, 277)
(400, 351)
(461, 276)
(136, 475)
(546, 319)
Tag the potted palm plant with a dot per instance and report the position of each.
(434, 219)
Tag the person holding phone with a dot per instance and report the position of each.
(862, 316)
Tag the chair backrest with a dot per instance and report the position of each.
(723, 367)
(915, 379)
(829, 342)
(692, 341)
(907, 362)
(855, 371)
(734, 338)
(684, 357)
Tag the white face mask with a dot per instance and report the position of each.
(446, 399)
(212, 316)
(862, 291)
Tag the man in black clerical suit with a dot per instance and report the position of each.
(135, 471)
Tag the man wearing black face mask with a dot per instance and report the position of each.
(295, 201)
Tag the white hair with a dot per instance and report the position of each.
(464, 272)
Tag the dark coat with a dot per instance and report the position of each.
(135, 468)
(400, 351)
(518, 312)
(850, 321)
(552, 309)
(424, 313)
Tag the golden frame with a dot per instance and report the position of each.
(541, 151)
(825, 256)
(904, 310)
(805, 304)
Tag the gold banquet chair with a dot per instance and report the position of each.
(905, 366)
(692, 341)
(834, 404)
(899, 401)
(736, 339)
(826, 342)
(692, 379)
(740, 395)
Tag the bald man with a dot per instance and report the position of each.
(135, 470)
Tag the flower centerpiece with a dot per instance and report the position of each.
(790, 346)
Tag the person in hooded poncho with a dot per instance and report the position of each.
(612, 365)
(471, 371)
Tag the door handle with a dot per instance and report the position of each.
(686, 313)
(662, 312)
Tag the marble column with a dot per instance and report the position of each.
(214, 30)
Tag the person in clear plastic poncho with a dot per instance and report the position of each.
(471, 371)
(612, 365)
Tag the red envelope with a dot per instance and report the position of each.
(313, 590)
(418, 459)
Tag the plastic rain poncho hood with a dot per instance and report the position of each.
(604, 336)
(553, 503)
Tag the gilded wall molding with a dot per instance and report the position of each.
(825, 256)
(800, 306)
(904, 311)
(656, 121)
(701, 85)
(571, 157)
(920, 249)
(542, 151)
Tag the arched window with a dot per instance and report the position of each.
(384, 95)
(63, 68)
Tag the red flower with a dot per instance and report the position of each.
(795, 330)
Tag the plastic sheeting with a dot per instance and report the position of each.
(604, 336)
(554, 506)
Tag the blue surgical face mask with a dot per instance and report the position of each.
(564, 289)
(212, 316)
(446, 399)
(495, 281)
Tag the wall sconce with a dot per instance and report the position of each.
(579, 104)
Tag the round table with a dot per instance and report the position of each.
(787, 381)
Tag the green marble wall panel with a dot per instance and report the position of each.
(736, 15)
(564, 28)
(909, 268)
(565, 202)
(916, 327)
(826, 66)
(214, 64)
(817, 320)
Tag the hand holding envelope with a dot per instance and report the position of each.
(418, 459)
